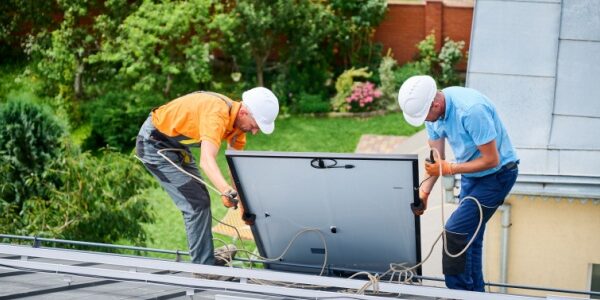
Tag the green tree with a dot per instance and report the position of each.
(160, 43)
(18, 20)
(355, 26)
(274, 35)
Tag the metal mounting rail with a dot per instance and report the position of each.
(244, 274)
(37, 243)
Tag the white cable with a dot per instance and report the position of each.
(373, 279)
(287, 248)
(408, 273)
(439, 157)
(160, 152)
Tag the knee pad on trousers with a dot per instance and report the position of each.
(456, 243)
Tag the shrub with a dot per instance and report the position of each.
(442, 65)
(363, 97)
(30, 139)
(100, 199)
(450, 55)
(428, 59)
(406, 71)
(344, 86)
(116, 118)
(389, 88)
(312, 103)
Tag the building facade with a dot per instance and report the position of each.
(539, 62)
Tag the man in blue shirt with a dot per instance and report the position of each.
(485, 158)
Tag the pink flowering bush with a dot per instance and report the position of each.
(363, 97)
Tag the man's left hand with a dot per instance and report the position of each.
(433, 169)
(228, 198)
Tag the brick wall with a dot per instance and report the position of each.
(407, 23)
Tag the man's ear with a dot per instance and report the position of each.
(243, 111)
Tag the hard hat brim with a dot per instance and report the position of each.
(266, 128)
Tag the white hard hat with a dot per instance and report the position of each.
(264, 106)
(415, 97)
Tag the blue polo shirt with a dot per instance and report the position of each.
(471, 120)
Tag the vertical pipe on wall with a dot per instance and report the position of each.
(505, 209)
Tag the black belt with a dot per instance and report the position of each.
(158, 136)
(510, 166)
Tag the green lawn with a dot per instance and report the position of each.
(300, 134)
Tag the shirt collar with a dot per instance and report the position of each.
(449, 106)
(233, 112)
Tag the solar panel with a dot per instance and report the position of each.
(358, 204)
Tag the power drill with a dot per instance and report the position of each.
(430, 159)
(421, 205)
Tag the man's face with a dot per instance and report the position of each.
(247, 123)
(435, 110)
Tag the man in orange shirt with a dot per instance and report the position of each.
(201, 119)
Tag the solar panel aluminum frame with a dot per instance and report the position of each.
(276, 225)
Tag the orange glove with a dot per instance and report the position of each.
(419, 209)
(247, 217)
(228, 198)
(433, 169)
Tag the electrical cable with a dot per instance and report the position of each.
(395, 268)
(408, 272)
(248, 253)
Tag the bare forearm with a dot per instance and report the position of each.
(476, 165)
(489, 159)
(212, 171)
(208, 163)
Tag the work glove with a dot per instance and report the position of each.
(229, 198)
(419, 209)
(248, 218)
(433, 169)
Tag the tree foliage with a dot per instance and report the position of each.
(61, 54)
(442, 65)
(160, 43)
(272, 35)
(19, 19)
(173, 47)
(30, 139)
(389, 88)
(356, 22)
(100, 199)
(52, 190)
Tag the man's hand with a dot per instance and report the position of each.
(248, 218)
(228, 198)
(433, 169)
(420, 209)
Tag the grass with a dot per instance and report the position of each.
(296, 133)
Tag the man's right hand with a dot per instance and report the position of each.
(420, 209)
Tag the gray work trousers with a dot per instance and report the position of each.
(190, 196)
